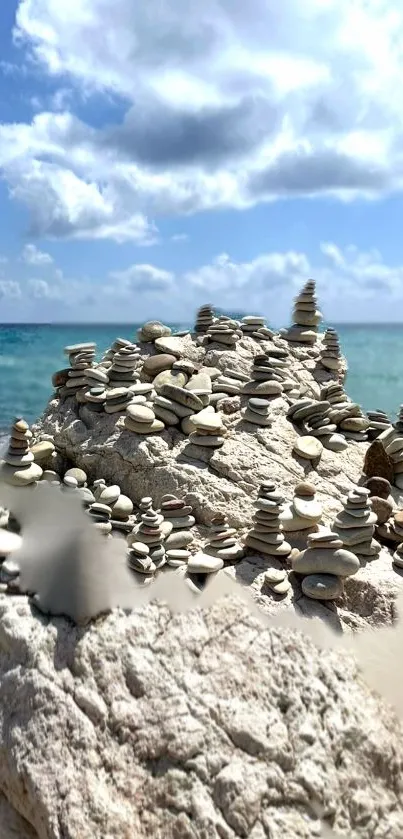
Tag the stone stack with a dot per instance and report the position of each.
(257, 412)
(378, 422)
(304, 512)
(152, 330)
(228, 383)
(120, 505)
(181, 517)
(266, 536)
(101, 515)
(141, 419)
(139, 560)
(209, 430)
(124, 369)
(314, 418)
(94, 397)
(324, 565)
(204, 319)
(250, 325)
(81, 358)
(18, 468)
(222, 541)
(306, 317)
(277, 581)
(224, 331)
(392, 441)
(330, 354)
(150, 531)
(346, 415)
(174, 403)
(355, 525)
(265, 381)
(280, 361)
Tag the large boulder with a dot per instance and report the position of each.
(203, 724)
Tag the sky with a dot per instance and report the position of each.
(158, 155)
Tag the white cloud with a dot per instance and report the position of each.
(180, 237)
(40, 289)
(141, 278)
(33, 256)
(226, 106)
(9, 289)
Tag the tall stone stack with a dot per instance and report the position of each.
(392, 441)
(306, 317)
(81, 359)
(266, 380)
(18, 467)
(204, 319)
(266, 535)
(330, 354)
(355, 525)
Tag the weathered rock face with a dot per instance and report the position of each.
(226, 480)
(189, 725)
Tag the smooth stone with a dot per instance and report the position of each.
(50, 475)
(336, 443)
(282, 587)
(177, 512)
(166, 416)
(153, 329)
(143, 427)
(323, 561)
(199, 381)
(275, 575)
(291, 522)
(79, 475)
(353, 536)
(180, 522)
(284, 549)
(208, 422)
(170, 345)
(169, 377)
(20, 477)
(70, 481)
(355, 424)
(256, 419)
(166, 404)
(23, 459)
(324, 536)
(158, 363)
(270, 388)
(178, 553)
(344, 520)
(42, 450)
(322, 586)
(178, 539)
(201, 563)
(140, 413)
(307, 509)
(206, 440)
(377, 464)
(231, 554)
(110, 494)
(308, 447)
(379, 487)
(305, 489)
(183, 396)
(140, 388)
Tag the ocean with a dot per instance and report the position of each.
(29, 354)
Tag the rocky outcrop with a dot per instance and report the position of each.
(190, 725)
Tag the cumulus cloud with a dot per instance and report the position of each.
(141, 278)
(33, 256)
(223, 104)
(9, 289)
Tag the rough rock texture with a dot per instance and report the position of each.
(188, 726)
(227, 479)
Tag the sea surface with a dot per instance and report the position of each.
(29, 354)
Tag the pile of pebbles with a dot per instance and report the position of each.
(265, 380)
(204, 319)
(224, 331)
(345, 414)
(266, 535)
(323, 565)
(306, 317)
(378, 422)
(151, 530)
(257, 412)
(355, 524)
(304, 512)
(175, 403)
(222, 541)
(209, 429)
(314, 418)
(141, 419)
(277, 581)
(254, 326)
(392, 441)
(125, 364)
(72, 379)
(18, 467)
(180, 515)
(330, 354)
(228, 383)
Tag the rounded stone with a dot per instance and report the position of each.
(178, 539)
(308, 447)
(110, 494)
(153, 329)
(305, 489)
(142, 427)
(322, 586)
(282, 587)
(377, 464)
(170, 345)
(324, 561)
(307, 508)
(70, 481)
(275, 575)
(20, 477)
(382, 508)
(169, 377)
(42, 450)
(379, 487)
(140, 548)
(79, 475)
(158, 363)
(202, 563)
(140, 413)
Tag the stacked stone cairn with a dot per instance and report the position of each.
(124, 367)
(101, 515)
(257, 412)
(345, 414)
(209, 430)
(255, 327)
(81, 358)
(266, 381)
(222, 541)
(18, 468)
(306, 317)
(120, 505)
(180, 516)
(313, 418)
(324, 565)
(304, 512)
(224, 331)
(204, 319)
(378, 422)
(355, 525)
(266, 535)
(149, 532)
(141, 419)
(392, 441)
(330, 354)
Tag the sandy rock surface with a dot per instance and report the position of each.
(205, 724)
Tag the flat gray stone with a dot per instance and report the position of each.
(322, 586)
(324, 561)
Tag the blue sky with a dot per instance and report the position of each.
(158, 156)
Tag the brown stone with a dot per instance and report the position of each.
(377, 464)
(382, 508)
(305, 489)
(399, 517)
(60, 377)
(157, 363)
(379, 487)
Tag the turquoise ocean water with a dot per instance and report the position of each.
(30, 354)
